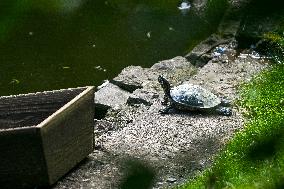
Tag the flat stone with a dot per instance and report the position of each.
(111, 96)
(171, 180)
(171, 64)
(133, 99)
(132, 78)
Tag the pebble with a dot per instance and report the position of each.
(171, 180)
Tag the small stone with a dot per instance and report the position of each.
(171, 180)
(111, 96)
(160, 183)
(132, 78)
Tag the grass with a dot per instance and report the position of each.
(254, 158)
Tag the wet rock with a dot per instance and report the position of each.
(110, 96)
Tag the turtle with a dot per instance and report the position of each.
(190, 97)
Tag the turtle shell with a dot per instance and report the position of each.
(189, 95)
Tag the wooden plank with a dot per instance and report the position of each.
(68, 135)
(31, 109)
(22, 162)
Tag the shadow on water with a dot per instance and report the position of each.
(46, 45)
(137, 175)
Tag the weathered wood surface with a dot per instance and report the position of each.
(68, 137)
(44, 135)
(31, 109)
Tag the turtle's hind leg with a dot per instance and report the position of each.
(226, 111)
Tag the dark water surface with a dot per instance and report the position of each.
(48, 45)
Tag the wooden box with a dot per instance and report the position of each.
(43, 135)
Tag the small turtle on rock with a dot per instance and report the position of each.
(189, 97)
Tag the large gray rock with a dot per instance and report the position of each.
(143, 96)
(110, 96)
(132, 78)
(171, 64)
(175, 69)
(135, 77)
(199, 54)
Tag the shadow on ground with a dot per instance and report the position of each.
(137, 174)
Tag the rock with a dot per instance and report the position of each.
(133, 99)
(226, 32)
(144, 96)
(199, 55)
(231, 21)
(103, 126)
(160, 183)
(171, 64)
(175, 69)
(171, 180)
(110, 96)
(132, 78)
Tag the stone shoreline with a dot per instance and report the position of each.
(132, 138)
(171, 147)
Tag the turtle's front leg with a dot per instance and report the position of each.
(226, 111)
(166, 100)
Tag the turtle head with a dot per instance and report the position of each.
(165, 85)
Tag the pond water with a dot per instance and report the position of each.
(48, 45)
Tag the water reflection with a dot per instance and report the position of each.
(69, 5)
(57, 44)
(185, 5)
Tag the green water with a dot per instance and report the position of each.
(48, 45)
